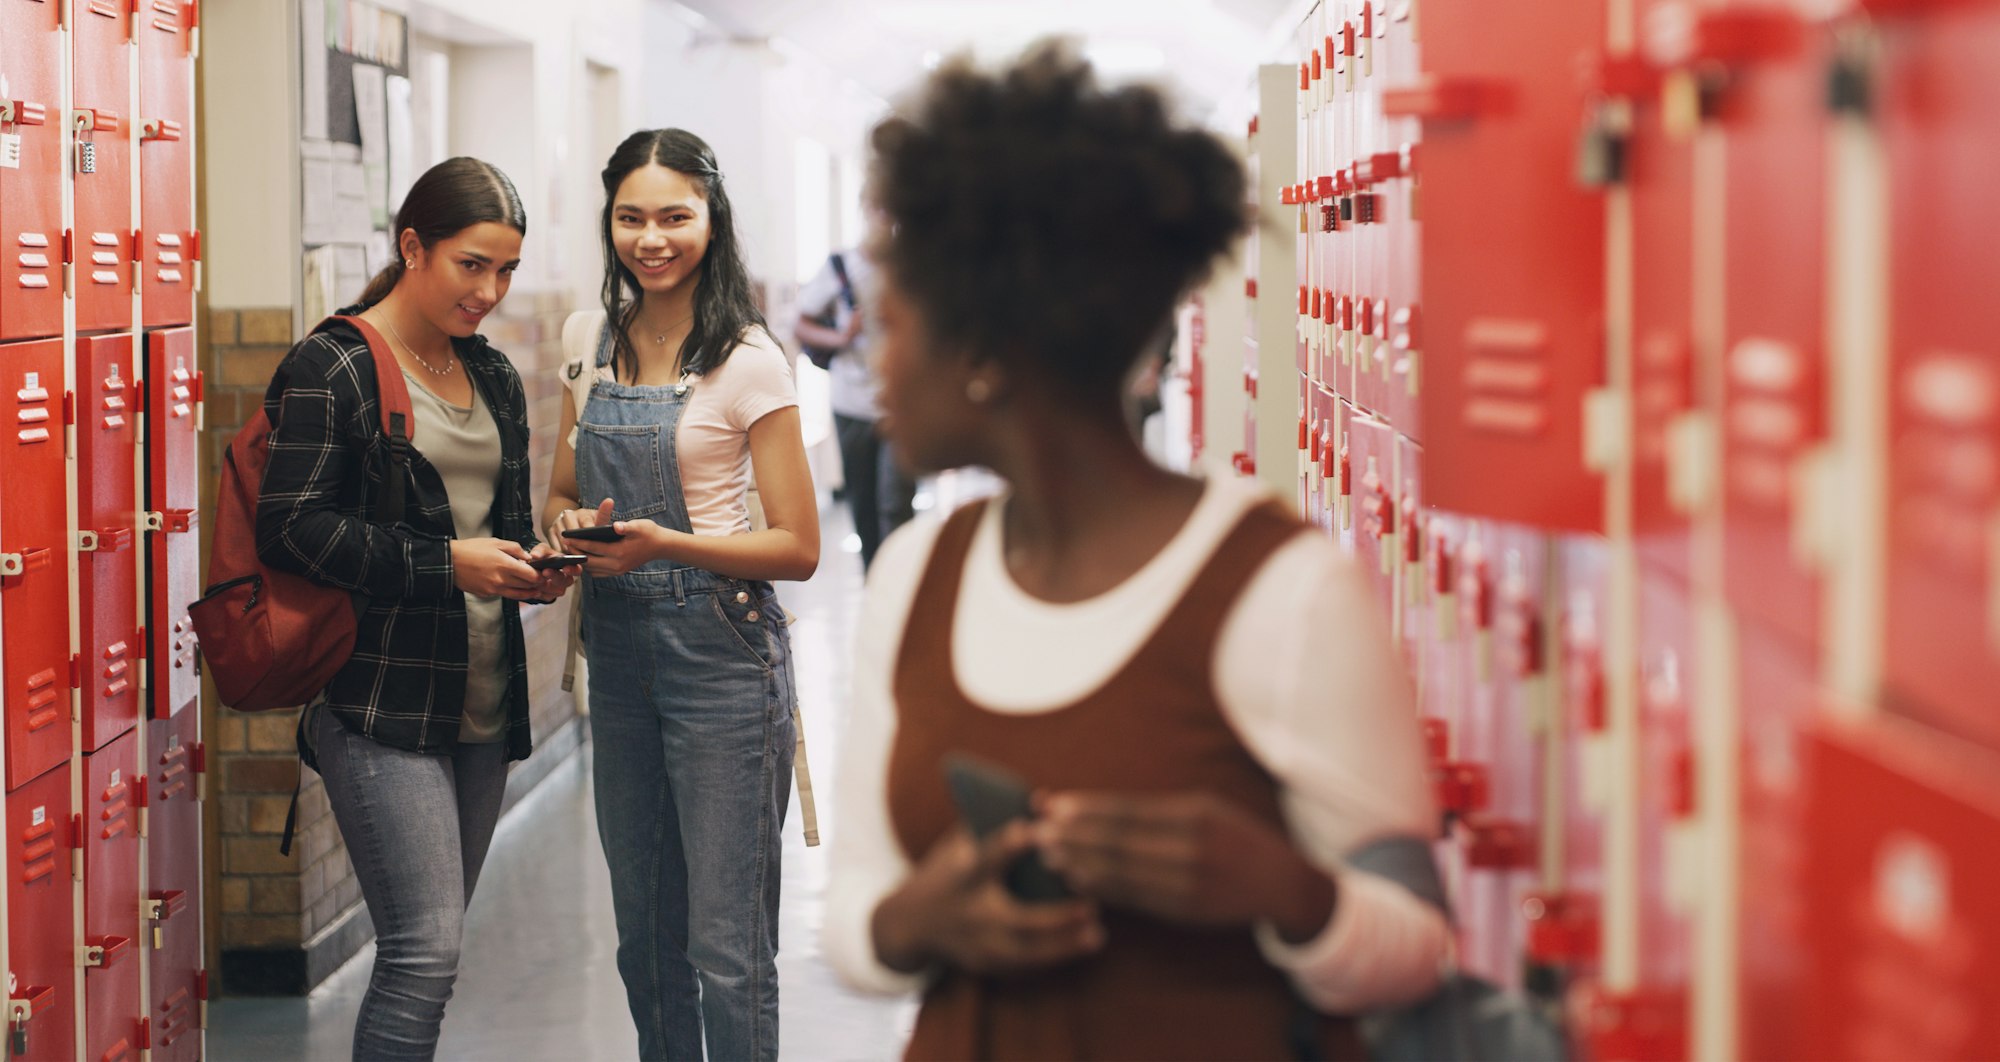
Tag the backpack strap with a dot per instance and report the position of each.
(839, 264)
(392, 400)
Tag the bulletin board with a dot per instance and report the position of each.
(355, 145)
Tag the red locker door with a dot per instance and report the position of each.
(107, 508)
(1902, 918)
(1939, 104)
(173, 905)
(34, 559)
(101, 100)
(168, 245)
(174, 573)
(41, 906)
(1371, 455)
(111, 930)
(1777, 680)
(1773, 121)
(1667, 768)
(1513, 259)
(31, 171)
(1659, 173)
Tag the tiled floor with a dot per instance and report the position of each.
(537, 977)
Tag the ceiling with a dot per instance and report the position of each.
(1205, 50)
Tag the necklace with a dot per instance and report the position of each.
(660, 338)
(450, 366)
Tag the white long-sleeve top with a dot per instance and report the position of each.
(1305, 671)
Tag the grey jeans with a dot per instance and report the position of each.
(417, 828)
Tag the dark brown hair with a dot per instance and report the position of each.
(449, 198)
(723, 304)
(1040, 220)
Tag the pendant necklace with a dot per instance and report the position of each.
(450, 366)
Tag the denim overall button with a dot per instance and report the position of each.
(742, 597)
(752, 617)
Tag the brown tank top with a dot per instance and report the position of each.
(1157, 990)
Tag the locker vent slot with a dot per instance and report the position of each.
(1506, 377)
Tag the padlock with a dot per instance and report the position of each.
(1600, 150)
(86, 157)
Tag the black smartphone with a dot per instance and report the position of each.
(989, 797)
(600, 533)
(557, 560)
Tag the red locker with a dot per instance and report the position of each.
(173, 403)
(31, 233)
(1939, 102)
(1659, 173)
(168, 245)
(101, 100)
(1513, 259)
(41, 909)
(34, 559)
(107, 509)
(173, 903)
(1777, 680)
(1667, 780)
(112, 788)
(1774, 357)
(1371, 456)
(1903, 924)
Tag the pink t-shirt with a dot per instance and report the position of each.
(713, 440)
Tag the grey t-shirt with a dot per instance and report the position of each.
(463, 444)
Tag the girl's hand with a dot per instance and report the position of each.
(493, 567)
(554, 582)
(644, 542)
(954, 909)
(1185, 857)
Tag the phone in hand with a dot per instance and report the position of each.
(557, 560)
(989, 797)
(599, 533)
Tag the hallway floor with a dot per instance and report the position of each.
(537, 975)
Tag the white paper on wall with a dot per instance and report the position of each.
(370, 100)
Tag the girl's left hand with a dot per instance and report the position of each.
(554, 582)
(643, 543)
(1185, 857)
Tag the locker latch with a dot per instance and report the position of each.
(21, 1011)
(12, 564)
(86, 542)
(154, 521)
(22, 112)
(159, 129)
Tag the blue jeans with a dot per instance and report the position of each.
(691, 703)
(417, 828)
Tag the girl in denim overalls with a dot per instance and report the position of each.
(691, 691)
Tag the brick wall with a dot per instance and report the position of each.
(284, 922)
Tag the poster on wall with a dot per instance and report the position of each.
(355, 151)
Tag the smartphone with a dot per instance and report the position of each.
(989, 797)
(600, 533)
(557, 560)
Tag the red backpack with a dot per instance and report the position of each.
(270, 638)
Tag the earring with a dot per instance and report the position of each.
(409, 263)
(978, 391)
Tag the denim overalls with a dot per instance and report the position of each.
(691, 705)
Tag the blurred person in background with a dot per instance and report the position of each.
(1200, 692)
(832, 326)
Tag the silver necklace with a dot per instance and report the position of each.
(450, 366)
(660, 338)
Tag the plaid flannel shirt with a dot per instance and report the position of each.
(405, 684)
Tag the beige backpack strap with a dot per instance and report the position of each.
(808, 808)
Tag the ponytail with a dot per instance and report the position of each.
(384, 283)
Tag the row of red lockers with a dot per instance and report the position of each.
(134, 406)
(1464, 173)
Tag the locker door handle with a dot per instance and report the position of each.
(18, 564)
(166, 904)
(180, 521)
(159, 129)
(1448, 100)
(23, 112)
(109, 540)
(107, 952)
(87, 120)
(24, 1008)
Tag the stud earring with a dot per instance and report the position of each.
(409, 263)
(978, 391)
